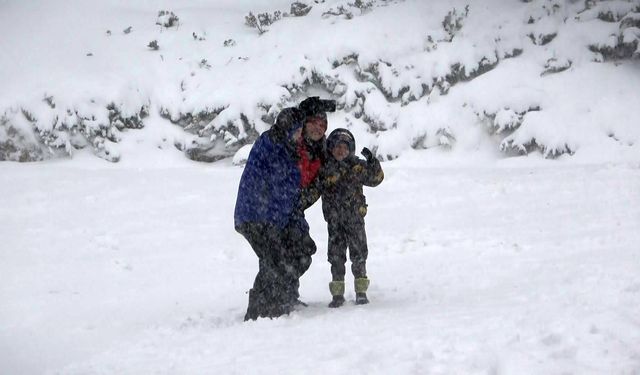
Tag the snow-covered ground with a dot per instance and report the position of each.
(508, 268)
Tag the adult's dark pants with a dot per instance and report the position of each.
(347, 234)
(269, 295)
(300, 247)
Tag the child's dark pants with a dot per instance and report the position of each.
(343, 234)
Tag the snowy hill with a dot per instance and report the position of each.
(499, 77)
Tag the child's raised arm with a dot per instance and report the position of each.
(372, 174)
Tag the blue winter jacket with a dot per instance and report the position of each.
(269, 190)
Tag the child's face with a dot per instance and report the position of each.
(340, 151)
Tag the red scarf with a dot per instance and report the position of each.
(309, 168)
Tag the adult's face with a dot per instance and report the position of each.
(315, 128)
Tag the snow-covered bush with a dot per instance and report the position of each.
(204, 64)
(122, 122)
(608, 11)
(625, 42)
(299, 9)
(556, 65)
(153, 45)
(167, 19)
(193, 122)
(262, 20)
(52, 130)
(453, 22)
(345, 9)
(505, 120)
(538, 132)
(340, 10)
(16, 144)
(213, 141)
(362, 5)
(198, 37)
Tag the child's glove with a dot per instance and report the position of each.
(367, 155)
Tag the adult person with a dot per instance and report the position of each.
(310, 152)
(267, 214)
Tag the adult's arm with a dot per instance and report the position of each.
(311, 194)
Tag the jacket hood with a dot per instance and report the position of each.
(288, 121)
(341, 135)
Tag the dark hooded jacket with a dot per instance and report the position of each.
(342, 181)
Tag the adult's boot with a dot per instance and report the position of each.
(252, 309)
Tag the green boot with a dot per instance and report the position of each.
(337, 291)
(361, 285)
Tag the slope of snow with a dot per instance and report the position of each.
(475, 270)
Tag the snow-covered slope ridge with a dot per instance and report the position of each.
(549, 76)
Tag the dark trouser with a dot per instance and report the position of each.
(272, 286)
(349, 234)
(300, 247)
(281, 263)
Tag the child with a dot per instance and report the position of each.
(344, 207)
